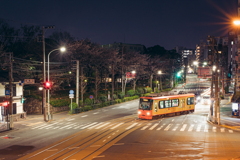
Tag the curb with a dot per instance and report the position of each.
(225, 126)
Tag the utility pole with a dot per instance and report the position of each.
(122, 72)
(11, 92)
(44, 76)
(112, 81)
(82, 88)
(77, 84)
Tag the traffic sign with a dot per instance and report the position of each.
(71, 95)
(71, 92)
(91, 96)
(7, 92)
(29, 81)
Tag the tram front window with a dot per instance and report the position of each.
(145, 104)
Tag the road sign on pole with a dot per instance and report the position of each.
(91, 96)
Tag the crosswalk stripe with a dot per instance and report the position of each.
(222, 129)
(167, 128)
(89, 125)
(96, 125)
(214, 129)
(199, 128)
(160, 127)
(191, 128)
(78, 127)
(146, 126)
(134, 124)
(206, 129)
(117, 125)
(65, 126)
(155, 125)
(46, 126)
(183, 127)
(230, 131)
(102, 125)
(176, 127)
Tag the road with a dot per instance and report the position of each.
(115, 132)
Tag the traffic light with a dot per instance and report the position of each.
(230, 71)
(22, 100)
(179, 74)
(47, 85)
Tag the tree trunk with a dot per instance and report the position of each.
(151, 77)
(134, 84)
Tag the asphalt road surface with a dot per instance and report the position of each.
(115, 132)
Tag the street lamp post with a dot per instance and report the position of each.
(236, 23)
(160, 72)
(62, 49)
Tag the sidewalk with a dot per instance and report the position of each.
(226, 118)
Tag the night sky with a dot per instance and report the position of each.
(167, 23)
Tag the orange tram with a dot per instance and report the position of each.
(150, 107)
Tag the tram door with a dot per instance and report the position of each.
(182, 103)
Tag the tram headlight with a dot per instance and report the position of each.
(139, 112)
(148, 113)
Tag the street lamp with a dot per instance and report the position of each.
(62, 49)
(160, 72)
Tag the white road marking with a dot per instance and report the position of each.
(102, 125)
(206, 128)
(134, 124)
(230, 131)
(222, 129)
(96, 113)
(176, 127)
(214, 129)
(191, 128)
(167, 128)
(85, 116)
(65, 126)
(89, 125)
(117, 125)
(153, 126)
(183, 127)
(199, 128)
(95, 125)
(160, 127)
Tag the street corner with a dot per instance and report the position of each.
(236, 128)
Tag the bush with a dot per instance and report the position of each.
(74, 105)
(139, 91)
(114, 96)
(60, 102)
(135, 97)
(147, 90)
(121, 95)
(88, 101)
(103, 98)
(131, 92)
(87, 108)
(147, 94)
(118, 100)
(80, 102)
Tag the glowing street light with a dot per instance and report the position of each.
(236, 22)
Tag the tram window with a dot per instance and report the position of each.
(190, 101)
(161, 104)
(168, 103)
(175, 102)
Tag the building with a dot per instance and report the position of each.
(201, 52)
(17, 108)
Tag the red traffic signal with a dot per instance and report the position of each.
(47, 85)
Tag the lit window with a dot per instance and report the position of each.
(232, 43)
(161, 104)
(190, 101)
(168, 104)
(175, 102)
